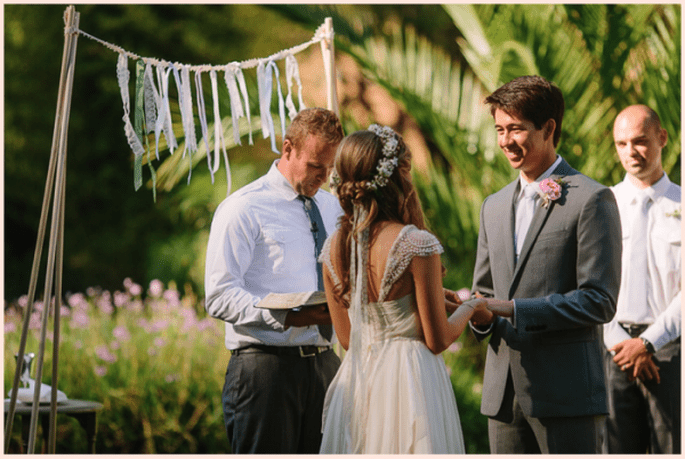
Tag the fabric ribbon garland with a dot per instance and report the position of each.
(152, 102)
(243, 90)
(123, 76)
(203, 119)
(219, 131)
(265, 84)
(164, 114)
(185, 106)
(234, 96)
(144, 115)
(292, 71)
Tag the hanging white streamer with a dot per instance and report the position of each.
(181, 102)
(202, 115)
(236, 106)
(218, 130)
(187, 118)
(149, 100)
(160, 109)
(188, 121)
(265, 80)
(281, 104)
(164, 116)
(292, 71)
(264, 87)
(243, 89)
(123, 76)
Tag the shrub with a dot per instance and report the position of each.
(156, 362)
(150, 358)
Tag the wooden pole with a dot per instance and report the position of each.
(57, 177)
(328, 48)
(72, 21)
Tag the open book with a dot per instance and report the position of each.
(292, 300)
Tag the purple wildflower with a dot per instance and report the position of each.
(103, 353)
(156, 288)
(121, 333)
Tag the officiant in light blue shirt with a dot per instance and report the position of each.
(265, 238)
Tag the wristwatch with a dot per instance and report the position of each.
(649, 346)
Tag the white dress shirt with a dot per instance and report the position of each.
(536, 185)
(663, 308)
(260, 242)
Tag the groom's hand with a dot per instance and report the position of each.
(482, 317)
(501, 307)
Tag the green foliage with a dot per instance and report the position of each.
(156, 363)
(603, 58)
(112, 231)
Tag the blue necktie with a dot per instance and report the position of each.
(319, 233)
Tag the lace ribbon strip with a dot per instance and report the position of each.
(153, 114)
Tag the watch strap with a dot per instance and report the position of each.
(649, 346)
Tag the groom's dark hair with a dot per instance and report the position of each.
(530, 97)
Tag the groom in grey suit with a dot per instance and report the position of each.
(549, 263)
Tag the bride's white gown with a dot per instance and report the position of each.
(391, 393)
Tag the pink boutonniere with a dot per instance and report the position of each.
(550, 190)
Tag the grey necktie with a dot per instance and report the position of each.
(319, 233)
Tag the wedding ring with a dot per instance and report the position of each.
(623, 368)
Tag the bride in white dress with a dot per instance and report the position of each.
(383, 280)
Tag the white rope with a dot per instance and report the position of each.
(319, 36)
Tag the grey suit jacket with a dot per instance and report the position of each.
(565, 284)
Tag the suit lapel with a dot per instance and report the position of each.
(536, 225)
(508, 227)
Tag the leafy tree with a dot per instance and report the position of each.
(112, 232)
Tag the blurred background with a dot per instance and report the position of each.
(133, 256)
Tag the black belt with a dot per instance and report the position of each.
(634, 330)
(296, 351)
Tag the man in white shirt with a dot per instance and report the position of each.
(643, 339)
(262, 240)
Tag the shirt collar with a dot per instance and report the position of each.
(655, 191)
(542, 176)
(282, 185)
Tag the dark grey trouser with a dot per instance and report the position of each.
(273, 402)
(645, 417)
(513, 432)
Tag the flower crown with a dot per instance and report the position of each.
(386, 165)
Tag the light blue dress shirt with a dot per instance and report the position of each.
(260, 242)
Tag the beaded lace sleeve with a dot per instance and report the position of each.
(325, 257)
(410, 243)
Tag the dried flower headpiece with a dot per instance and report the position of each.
(387, 163)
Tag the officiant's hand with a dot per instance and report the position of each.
(310, 315)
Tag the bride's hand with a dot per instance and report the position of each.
(452, 300)
(481, 316)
